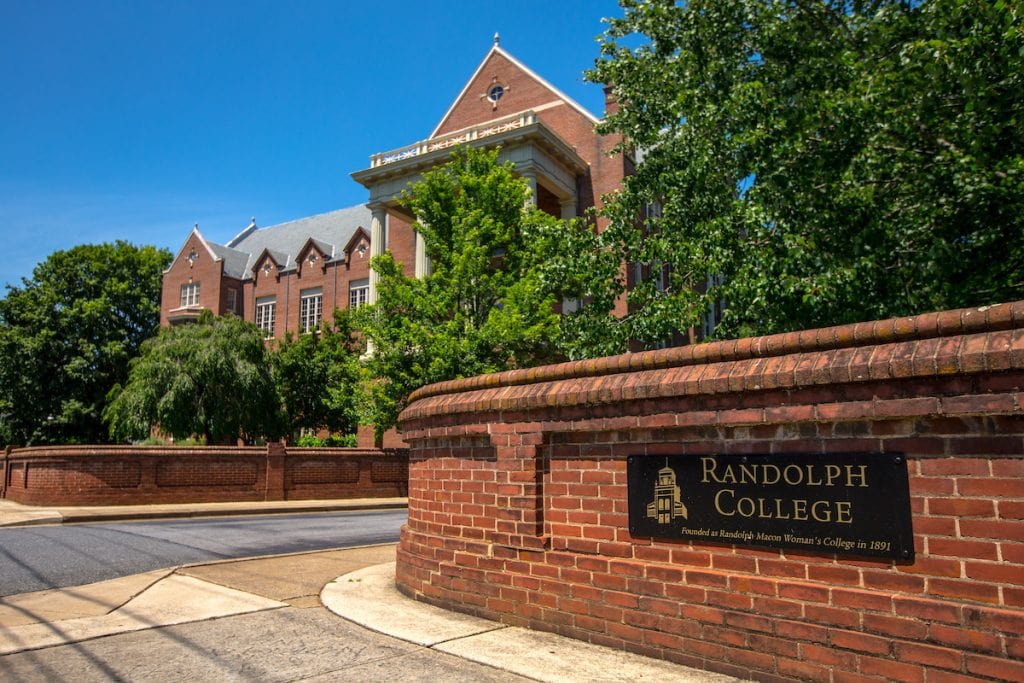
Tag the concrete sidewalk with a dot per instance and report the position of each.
(15, 514)
(264, 619)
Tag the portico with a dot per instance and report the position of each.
(550, 166)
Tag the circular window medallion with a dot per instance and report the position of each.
(495, 92)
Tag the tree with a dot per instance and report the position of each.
(318, 377)
(67, 334)
(211, 378)
(822, 162)
(485, 306)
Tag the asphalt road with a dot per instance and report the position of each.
(38, 558)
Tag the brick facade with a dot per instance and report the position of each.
(285, 273)
(195, 265)
(282, 278)
(138, 475)
(517, 500)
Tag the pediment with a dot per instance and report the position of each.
(500, 86)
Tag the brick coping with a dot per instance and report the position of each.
(177, 451)
(997, 317)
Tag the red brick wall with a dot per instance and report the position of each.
(204, 270)
(267, 284)
(134, 475)
(525, 92)
(518, 501)
(402, 242)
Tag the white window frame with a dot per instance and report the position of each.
(190, 295)
(266, 315)
(358, 293)
(311, 303)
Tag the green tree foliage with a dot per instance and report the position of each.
(212, 379)
(318, 378)
(67, 334)
(832, 161)
(486, 306)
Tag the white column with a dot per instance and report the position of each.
(568, 208)
(422, 260)
(378, 218)
(531, 179)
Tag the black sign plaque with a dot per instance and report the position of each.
(833, 503)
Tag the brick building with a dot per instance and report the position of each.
(287, 277)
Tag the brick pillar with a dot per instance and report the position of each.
(520, 484)
(276, 453)
(3, 472)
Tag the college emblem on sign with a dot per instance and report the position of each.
(667, 505)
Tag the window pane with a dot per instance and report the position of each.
(190, 294)
(358, 293)
(310, 309)
(265, 314)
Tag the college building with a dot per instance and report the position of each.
(287, 277)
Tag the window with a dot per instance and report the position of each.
(310, 309)
(265, 314)
(358, 293)
(190, 294)
(232, 300)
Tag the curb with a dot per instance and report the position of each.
(73, 517)
(29, 516)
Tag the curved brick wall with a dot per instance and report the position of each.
(135, 475)
(517, 500)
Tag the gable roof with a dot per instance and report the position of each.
(208, 246)
(360, 232)
(497, 49)
(234, 260)
(330, 231)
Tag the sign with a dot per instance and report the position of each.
(832, 503)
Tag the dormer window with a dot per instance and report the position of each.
(267, 268)
(312, 257)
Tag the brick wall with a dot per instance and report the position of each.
(134, 475)
(204, 270)
(518, 500)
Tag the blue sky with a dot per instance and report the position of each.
(135, 119)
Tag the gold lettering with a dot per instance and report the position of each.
(862, 475)
(704, 462)
(764, 474)
(832, 472)
(821, 516)
(844, 512)
(748, 474)
(729, 477)
(811, 481)
(745, 506)
(718, 504)
(799, 474)
(800, 510)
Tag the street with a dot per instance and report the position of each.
(39, 558)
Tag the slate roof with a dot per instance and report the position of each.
(234, 260)
(330, 231)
